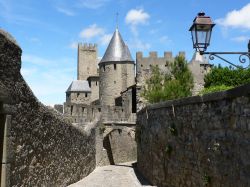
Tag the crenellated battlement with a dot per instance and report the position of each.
(87, 46)
(87, 60)
(154, 54)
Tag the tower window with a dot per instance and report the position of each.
(96, 83)
(114, 66)
(104, 68)
(78, 94)
(141, 65)
(86, 94)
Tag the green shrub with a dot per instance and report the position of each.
(227, 76)
(212, 89)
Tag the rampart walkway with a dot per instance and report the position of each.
(122, 175)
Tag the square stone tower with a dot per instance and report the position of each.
(87, 61)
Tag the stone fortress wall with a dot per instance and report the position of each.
(87, 61)
(75, 97)
(81, 113)
(38, 147)
(196, 141)
(94, 86)
(198, 66)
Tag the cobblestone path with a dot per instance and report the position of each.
(121, 175)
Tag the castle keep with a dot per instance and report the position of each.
(109, 91)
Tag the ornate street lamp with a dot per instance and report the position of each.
(201, 31)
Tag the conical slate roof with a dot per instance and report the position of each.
(79, 86)
(199, 58)
(117, 50)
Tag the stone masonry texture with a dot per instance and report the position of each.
(196, 141)
(87, 61)
(43, 148)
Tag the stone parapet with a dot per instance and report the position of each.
(40, 147)
(196, 141)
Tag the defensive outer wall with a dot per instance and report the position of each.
(37, 146)
(196, 141)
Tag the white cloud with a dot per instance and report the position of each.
(105, 39)
(137, 16)
(164, 39)
(236, 18)
(92, 4)
(48, 82)
(95, 32)
(73, 45)
(36, 60)
(240, 39)
(91, 32)
(65, 11)
(34, 40)
(28, 71)
(137, 44)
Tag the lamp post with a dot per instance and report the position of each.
(201, 31)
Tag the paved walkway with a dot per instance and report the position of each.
(122, 175)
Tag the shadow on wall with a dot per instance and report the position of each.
(107, 146)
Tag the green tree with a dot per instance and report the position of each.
(224, 78)
(166, 86)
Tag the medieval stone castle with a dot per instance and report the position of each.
(110, 88)
(194, 141)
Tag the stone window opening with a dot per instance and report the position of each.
(90, 84)
(141, 65)
(78, 94)
(86, 94)
(96, 83)
(104, 68)
(114, 66)
(71, 110)
(99, 109)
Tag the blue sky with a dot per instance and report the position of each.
(48, 32)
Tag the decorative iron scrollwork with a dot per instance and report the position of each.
(244, 58)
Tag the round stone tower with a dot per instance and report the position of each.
(116, 70)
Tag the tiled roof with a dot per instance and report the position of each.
(79, 86)
(117, 50)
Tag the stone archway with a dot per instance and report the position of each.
(120, 144)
